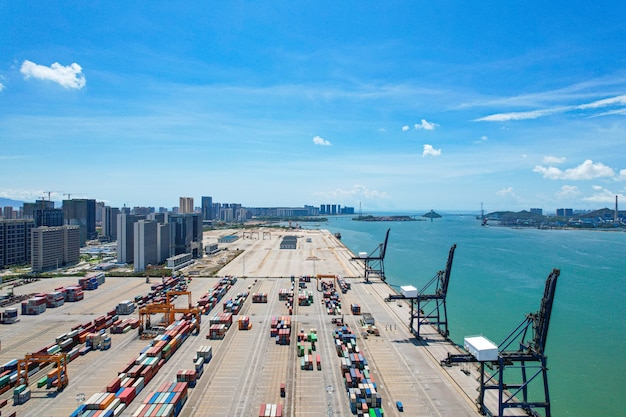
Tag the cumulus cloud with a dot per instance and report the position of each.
(506, 192)
(622, 175)
(429, 150)
(318, 140)
(553, 160)
(426, 125)
(567, 192)
(588, 170)
(405, 128)
(70, 76)
(602, 195)
(1, 87)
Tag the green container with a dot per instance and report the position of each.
(43, 381)
(18, 390)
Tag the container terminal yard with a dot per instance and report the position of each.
(278, 332)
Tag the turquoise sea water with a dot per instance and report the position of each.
(498, 276)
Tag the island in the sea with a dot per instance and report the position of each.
(370, 218)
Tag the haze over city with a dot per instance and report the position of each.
(391, 105)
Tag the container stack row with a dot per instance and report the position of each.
(166, 401)
(220, 323)
(271, 410)
(213, 296)
(140, 371)
(280, 328)
(259, 297)
(332, 303)
(305, 298)
(244, 323)
(360, 386)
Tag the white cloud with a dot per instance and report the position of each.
(506, 192)
(567, 192)
(534, 114)
(553, 159)
(425, 125)
(588, 170)
(70, 76)
(602, 195)
(357, 192)
(524, 115)
(622, 175)
(405, 128)
(1, 87)
(482, 139)
(619, 100)
(318, 140)
(429, 150)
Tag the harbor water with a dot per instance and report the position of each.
(498, 277)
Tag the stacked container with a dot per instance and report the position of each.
(55, 299)
(73, 294)
(167, 401)
(280, 328)
(34, 306)
(244, 323)
(271, 410)
(259, 298)
(361, 388)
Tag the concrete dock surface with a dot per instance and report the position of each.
(248, 367)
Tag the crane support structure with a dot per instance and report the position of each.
(169, 311)
(429, 305)
(374, 263)
(59, 359)
(522, 356)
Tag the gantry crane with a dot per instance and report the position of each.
(428, 306)
(527, 361)
(374, 262)
(60, 359)
(169, 311)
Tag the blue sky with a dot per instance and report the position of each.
(392, 105)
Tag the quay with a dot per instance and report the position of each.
(248, 367)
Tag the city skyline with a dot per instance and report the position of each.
(394, 107)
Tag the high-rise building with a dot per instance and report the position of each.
(52, 247)
(125, 237)
(99, 206)
(207, 208)
(185, 205)
(81, 212)
(28, 209)
(145, 242)
(186, 234)
(109, 222)
(164, 247)
(48, 217)
(15, 242)
(7, 213)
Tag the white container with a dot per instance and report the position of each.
(481, 348)
(362, 255)
(408, 291)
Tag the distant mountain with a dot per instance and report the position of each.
(7, 202)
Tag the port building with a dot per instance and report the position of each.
(52, 247)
